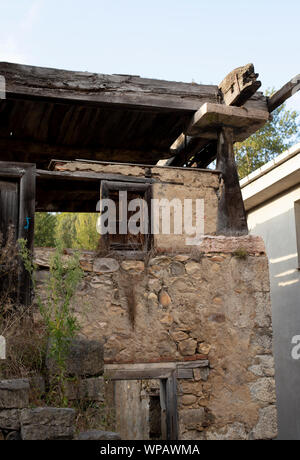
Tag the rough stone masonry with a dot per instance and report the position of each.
(214, 305)
(186, 304)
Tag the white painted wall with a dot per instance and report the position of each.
(275, 221)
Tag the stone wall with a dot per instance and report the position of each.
(24, 417)
(213, 305)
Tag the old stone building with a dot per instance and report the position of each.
(187, 310)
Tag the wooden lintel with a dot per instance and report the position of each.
(288, 90)
(89, 176)
(123, 374)
(184, 374)
(193, 364)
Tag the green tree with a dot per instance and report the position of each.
(86, 233)
(65, 233)
(77, 230)
(272, 139)
(44, 229)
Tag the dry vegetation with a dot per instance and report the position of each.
(26, 337)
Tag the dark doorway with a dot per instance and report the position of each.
(17, 206)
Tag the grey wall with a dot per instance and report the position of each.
(275, 221)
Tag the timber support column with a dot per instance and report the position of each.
(231, 212)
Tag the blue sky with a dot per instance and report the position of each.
(182, 40)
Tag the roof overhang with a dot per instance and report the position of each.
(52, 113)
(273, 178)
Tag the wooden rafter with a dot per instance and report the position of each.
(288, 90)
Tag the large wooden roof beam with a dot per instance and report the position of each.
(288, 90)
(64, 86)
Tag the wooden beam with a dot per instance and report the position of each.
(231, 212)
(183, 148)
(239, 85)
(42, 153)
(210, 117)
(243, 84)
(89, 176)
(288, 90)
(146, 374)
(98, 89)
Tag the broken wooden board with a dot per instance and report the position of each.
(239, 85)
(208, 120)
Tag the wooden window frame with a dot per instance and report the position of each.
(146, 189)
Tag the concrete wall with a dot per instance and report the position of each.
(275, 222)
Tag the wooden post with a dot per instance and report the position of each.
(231, 212)
(171, 406)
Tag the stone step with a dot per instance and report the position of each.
(14, 394)
(94, 435)
(47, 423)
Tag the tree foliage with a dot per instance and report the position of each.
(86, 234)
(272, 139)
(45, 226)
(65, 230)
(69, 230)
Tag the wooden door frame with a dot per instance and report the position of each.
(25, 173)
(168, 393)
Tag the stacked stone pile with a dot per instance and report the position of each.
(20, 422)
